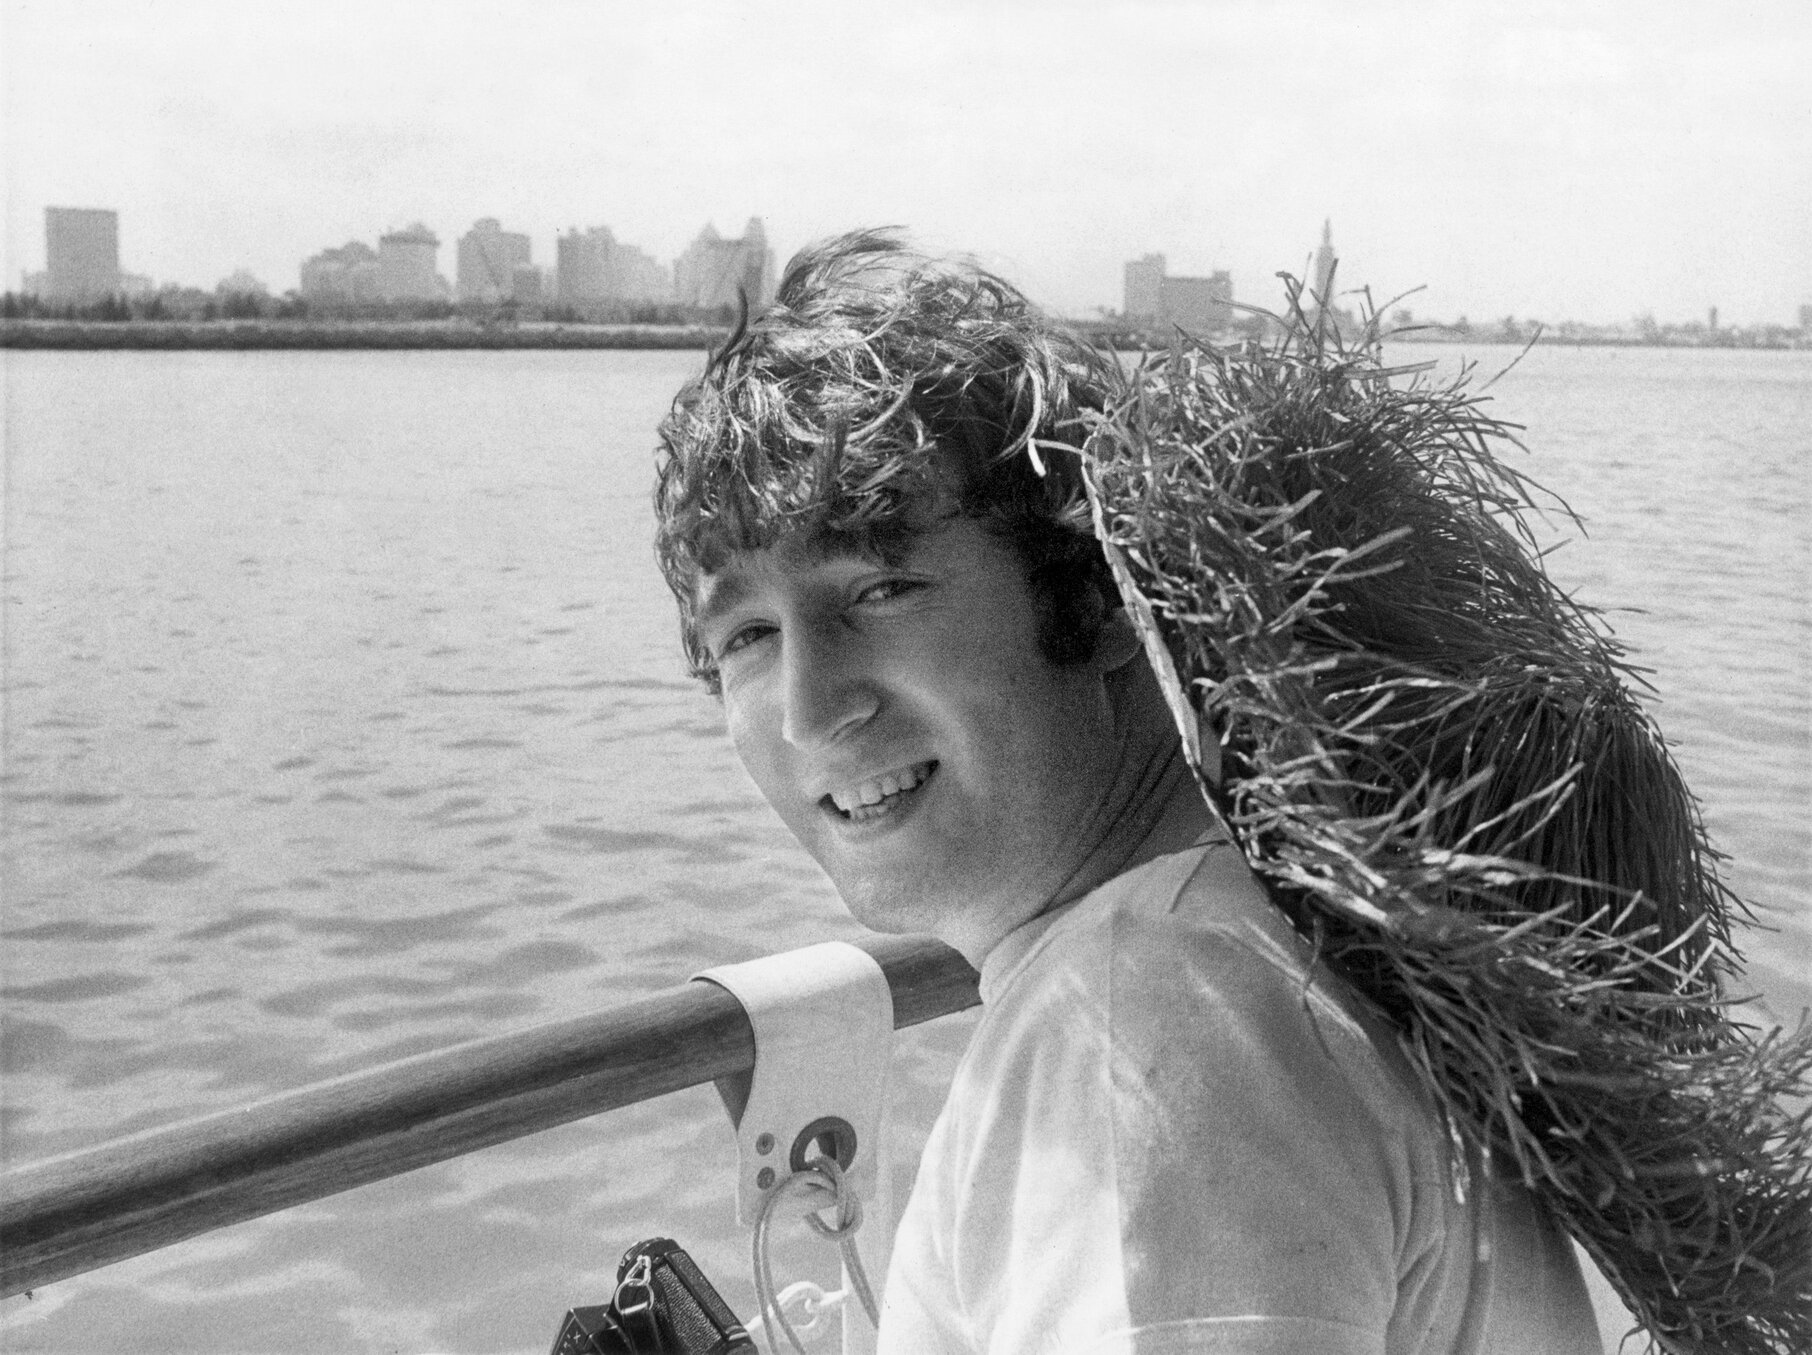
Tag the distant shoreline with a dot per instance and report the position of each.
(174, 335)
(376, 334)
(1126, 338)
(1553, 339)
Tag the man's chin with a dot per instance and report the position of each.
(893, 911)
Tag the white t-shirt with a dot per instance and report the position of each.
(1171, 1134)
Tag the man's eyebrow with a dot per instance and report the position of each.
(721, 593)
(730, 587)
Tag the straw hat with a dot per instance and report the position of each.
(1433, 759)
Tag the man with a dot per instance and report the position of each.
(1172, 1131)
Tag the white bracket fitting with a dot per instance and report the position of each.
(823, 1021)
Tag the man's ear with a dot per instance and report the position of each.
(1119, 643)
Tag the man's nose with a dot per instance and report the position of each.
(829, 690)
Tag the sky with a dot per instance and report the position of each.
(1581, 160)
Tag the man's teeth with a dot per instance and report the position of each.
(871, 793)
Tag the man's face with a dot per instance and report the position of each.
(906, 726)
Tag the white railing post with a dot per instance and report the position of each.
(823, 1020)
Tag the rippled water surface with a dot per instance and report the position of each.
(344, 719)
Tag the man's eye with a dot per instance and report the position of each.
(886, 590)
(742, 637)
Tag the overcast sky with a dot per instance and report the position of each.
(1558, 160)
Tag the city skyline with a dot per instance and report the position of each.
(1587, 162)
(83, 265)
(594, 270)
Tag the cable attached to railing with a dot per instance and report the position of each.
(809, 1114)
(821, 1176)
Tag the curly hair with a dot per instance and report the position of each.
(881, 392)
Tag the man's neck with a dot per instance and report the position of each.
(1153, 808)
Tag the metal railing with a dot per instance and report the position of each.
(70, 1214)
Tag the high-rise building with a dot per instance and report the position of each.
(346, 276)
(531, 285)
(488, 259)
(1321, 275)
(1144, 288)
(716, 272)
(635, 276)
(81, 253)
(593, 268)
(1198, 305)
(406, 270)
(579, 271)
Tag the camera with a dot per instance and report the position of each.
(663, 1305)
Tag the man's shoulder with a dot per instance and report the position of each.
(1199, 913)
(1205, 894)
(1190, 948)
(1075, 932)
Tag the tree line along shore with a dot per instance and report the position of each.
(253, 334)
(67, 332)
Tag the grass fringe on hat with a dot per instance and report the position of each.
(1432, 758)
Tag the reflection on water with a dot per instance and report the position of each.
(345, 720)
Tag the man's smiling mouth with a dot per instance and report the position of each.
(878, 796)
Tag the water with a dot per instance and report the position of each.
(345, 719)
